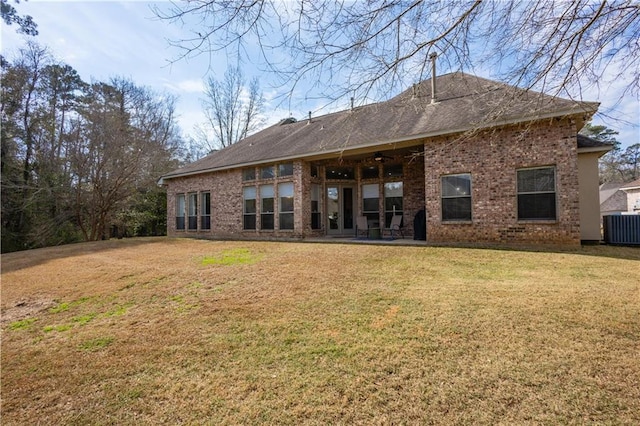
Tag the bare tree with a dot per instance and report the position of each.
(232, 110)
(124, 143)
(76, 157)
(359, 48)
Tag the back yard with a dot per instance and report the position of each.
(187, 331)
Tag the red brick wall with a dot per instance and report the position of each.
(226, 188)
(492, 158)
(226, 202)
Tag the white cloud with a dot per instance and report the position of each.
(185, 86)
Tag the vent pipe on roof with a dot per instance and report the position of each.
(352, 103)
(309, 122)
(433, 57)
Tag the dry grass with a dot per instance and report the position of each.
(183, 331)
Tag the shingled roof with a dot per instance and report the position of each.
(464, 102)
(587, 144)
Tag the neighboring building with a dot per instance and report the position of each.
(618, 198)
(612, 199)
(632, 190)
(486, 162)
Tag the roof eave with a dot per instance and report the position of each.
(331, 153)
(599, 149)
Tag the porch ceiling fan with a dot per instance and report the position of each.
(380, 157)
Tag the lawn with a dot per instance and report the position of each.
(176, 331)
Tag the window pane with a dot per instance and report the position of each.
(180, 205)
(286, 204)
(249, 192)
(285, 189)
(266, 191)
(315, 207)
(267, 205)
(286, 220)
(267, 221)
(393, 189)
(249, 174)
(537, 206)
(192, 204)
(370, 172)
(340, 173)
(316, 220)
(536, 180)
(205, 206)
(250, 201)
(314, 171)
(456, 185)
(250, 206)
(180, 222)
(285, 193)
(393, 203)
(249, 221)
(315, 192)
(193, 222)
(285, 169)
(370, 191)
(393, 170)
(370, 204)
(205, 222)
(192, 211)
(456, 208)
(267, 172)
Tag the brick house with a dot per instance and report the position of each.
(473, 161)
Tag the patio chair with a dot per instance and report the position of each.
(362, 226)
(395, 227)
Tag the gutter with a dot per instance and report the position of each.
(602, 149)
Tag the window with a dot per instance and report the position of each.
(344, 173)
(266, 207)
(249, 174)
(180, 211)
(205, 210)
(394, 170)
(316, 216)
(285, 169)
(370, 172)
(537, 194)
(370, 198)
(193, 211)
(456, 197)
(392, 201)
(249, 209)
(285, 208)
(267, 172)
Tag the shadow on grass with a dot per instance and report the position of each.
(27, 258)
(612, 251)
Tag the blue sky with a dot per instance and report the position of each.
(102, 39)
